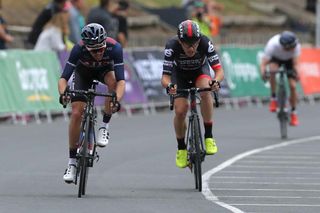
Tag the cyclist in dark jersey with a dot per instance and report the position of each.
(95, 57)
(187, 57)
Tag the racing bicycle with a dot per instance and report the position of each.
(194, 140)
(282, 111)
(86, 152)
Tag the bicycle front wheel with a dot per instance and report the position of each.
(197, 155)
(83, 176)
(283, 119)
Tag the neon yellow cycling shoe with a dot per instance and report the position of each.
(181, 158)
(211, 147)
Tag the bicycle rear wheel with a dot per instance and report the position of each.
(197, 155)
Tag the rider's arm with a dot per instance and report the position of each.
(119, 71)
(167, 64)
(263, 65)
(69, 68)
(213, 59)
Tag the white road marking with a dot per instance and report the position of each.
(206, 177)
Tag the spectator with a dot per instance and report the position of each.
(102, 16)
(54, 7)
(52, 37)
(76, 20)
(120, 13)
(201, 18)
(4, 36)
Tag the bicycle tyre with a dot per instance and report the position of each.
(197, 157)
(282, 114)
(84, 169)
(283, 125)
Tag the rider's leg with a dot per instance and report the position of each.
(74, 132)
(293, 93)
(293, 102)
(103, 135)
(181, 109)
(206, 104)
(273, 85)
(207, 114)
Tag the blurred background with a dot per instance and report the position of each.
(37, 35)
(243, 22)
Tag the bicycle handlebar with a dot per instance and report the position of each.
(90, 93)
(196, 90)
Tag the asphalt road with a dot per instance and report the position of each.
(137, 174)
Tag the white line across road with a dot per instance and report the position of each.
(206, 177)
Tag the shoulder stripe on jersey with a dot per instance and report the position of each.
(118, 64)
(111, 40)
(71, 64)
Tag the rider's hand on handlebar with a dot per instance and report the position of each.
(215, 85)
(171, 89)
(115, 107)
(266, 75)
(64, 98)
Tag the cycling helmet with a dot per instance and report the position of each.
(189, 32)
(288, 40)
(93, 35)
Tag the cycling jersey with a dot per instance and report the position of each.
(80, 60)
(274, 49)
(86, 68)
(175, 57)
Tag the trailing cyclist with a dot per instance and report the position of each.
(187, 57)
(96, 57)
(282, 49)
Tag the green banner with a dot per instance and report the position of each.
(29, 81)
(242, 71)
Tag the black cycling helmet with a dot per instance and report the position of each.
(288, 40)
(93, 35)
(189, 32)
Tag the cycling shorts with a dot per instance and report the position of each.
(288, 64)
(83, 78)
(187, 79)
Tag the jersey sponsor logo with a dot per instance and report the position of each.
(168, 52)
(168, 63)
(213, 58)
(211, 47)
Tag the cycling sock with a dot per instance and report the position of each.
(181, 144)
(273, 95)
(72, 161)
(105, 121)
(293, 109)
(106, 118)
(72, 153)
(208, 129)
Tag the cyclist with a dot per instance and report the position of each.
(187, 57)
(283, 49)
(95, 57)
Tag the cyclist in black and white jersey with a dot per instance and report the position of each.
(96, 57)
(187, 57)
(283, 49)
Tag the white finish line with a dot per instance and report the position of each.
(205, 177)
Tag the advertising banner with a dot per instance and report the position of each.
(30, 80)
(309, 70)
(241, 66)
(148, 65)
